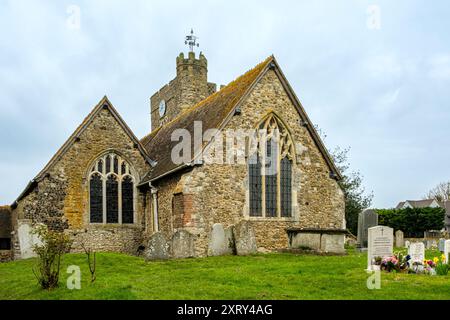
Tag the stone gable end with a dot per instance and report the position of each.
(61, 197)
(219, 191)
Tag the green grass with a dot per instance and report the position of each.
(271, 276)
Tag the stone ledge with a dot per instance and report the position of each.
(313, 230)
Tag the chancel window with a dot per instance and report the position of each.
(111, 191)
(270, 170)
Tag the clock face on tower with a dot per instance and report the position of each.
(162, 108)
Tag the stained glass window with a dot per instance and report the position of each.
(127, 200)
(112, 200)
(286, 187)
(96, 199)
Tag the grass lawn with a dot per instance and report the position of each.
(271, 276)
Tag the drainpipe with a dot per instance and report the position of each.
(154, 193)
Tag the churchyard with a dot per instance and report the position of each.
(259, 276)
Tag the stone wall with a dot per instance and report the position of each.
(219, 192)
(60, 199)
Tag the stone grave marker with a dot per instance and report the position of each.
(399, 242)
(416, 252)
(441, 245)
(407, 244)
(158, 247)
(366, 219)
(245, 239)
(447, 250)
(182, 244)
(380, 244)
(220, 241)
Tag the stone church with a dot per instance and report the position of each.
(112, 191)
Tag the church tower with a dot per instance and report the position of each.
(189, 87)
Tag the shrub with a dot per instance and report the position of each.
(49, 252)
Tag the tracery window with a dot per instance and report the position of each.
(111, 191)
(270, 170)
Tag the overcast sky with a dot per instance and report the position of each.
(374, 75)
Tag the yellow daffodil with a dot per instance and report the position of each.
(436, 260)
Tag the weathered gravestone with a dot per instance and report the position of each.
(380, 244)
(441, 245)
(158, 247)
(182, 244)
(399, 239)
(407, 244)
(447, 250)
(416, 252)
(221, 241)
(366, 219)
(27, 239)
(244, 238)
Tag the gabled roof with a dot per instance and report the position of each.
(400, 205)
(418, 203)
(215, 112)
(104, 103)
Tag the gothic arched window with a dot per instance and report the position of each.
(111, 191)
(270, 170)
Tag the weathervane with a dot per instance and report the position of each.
(191, 40)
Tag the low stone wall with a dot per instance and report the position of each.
(320, 240)
(107, 239)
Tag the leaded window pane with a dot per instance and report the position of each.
(116, 165)
(108, 165)
(112, 200)
(286, 187)
(100, 166)
(255, 182)
(127, 201)
(271, 177)
(96, 199)
(124, 168)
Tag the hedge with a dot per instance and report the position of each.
(412, 221)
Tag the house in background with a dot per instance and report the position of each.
(431, 203)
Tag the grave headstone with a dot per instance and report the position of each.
(441, 245)
(220, 242)
(245, 239)
(366, 219)
(407, 244)
(158, 247)
(399, 242)
(416, 252)
(380, 244)
(447, 250)
(182, 244)
(27, 239)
